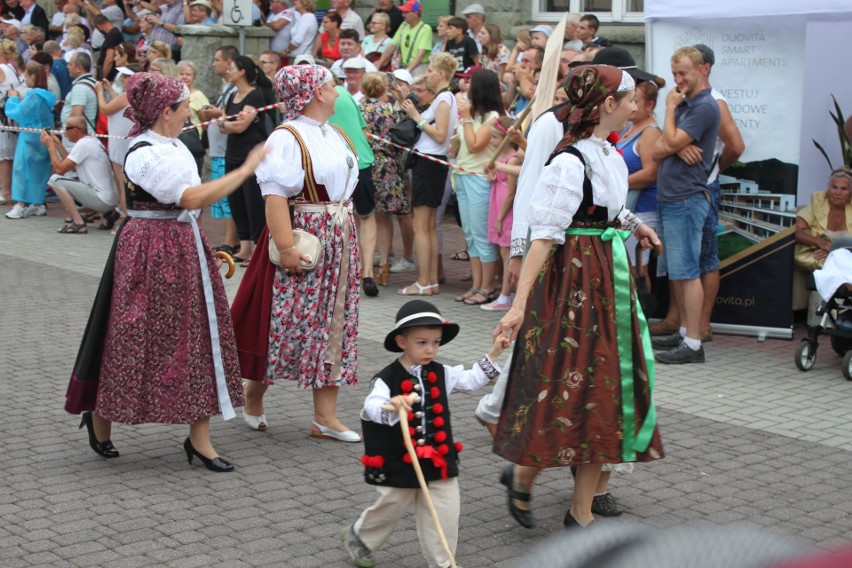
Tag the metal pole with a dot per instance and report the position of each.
(242, 40)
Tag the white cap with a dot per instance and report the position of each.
(305, 58)
(125, 70)
(403, 75)
(355, 63)
(473, 9)
(546, 30)
(13, 22)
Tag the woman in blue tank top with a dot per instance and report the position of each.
(636, 144)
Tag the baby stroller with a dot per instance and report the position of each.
(834, 282)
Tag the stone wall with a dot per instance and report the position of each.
(201, 42)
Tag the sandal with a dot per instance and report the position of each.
(461, 255)
(74, 229)
(486, 298)
(469, 294)
(87, 217)
(109, 221)
(421, 290)
(228, 249)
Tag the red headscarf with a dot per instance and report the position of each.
(149, 95)
(588, 86)
(296, 85)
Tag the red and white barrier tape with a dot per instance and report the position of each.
(427, 156)
(61, 132)
(259, 110)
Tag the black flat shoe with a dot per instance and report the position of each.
(109, 221)
(370, 287)
(569, 522)
(524, 518)
(105, 449)
(217, 464)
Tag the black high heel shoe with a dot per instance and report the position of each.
(524, 517)
(217, 464)
(105, 449)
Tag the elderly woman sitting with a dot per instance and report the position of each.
(827, 217)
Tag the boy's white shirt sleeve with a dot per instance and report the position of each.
(456, 378)
(479, 375)
(379, 396)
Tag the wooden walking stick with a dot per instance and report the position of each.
(518, 121)
(546, 83)
(415, 461)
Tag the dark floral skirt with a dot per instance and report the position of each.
(563, 402)
(157, 356)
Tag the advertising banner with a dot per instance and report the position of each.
(757, 61)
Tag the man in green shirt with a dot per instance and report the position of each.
(412, 41)
(347, 115)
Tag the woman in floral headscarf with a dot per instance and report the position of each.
(582, 373)
(294, 324)
(159, 344)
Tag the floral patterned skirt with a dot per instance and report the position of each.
(390, 190)
(158, 362)
(563, 399)
(302, 307)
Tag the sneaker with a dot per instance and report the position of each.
(605, 505)
(495, 307)
(36, 210)
(669, 342)
(680, 355)
(377, 259)
(18, 212)
(403, 265)
(358, 551)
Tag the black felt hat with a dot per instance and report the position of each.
(621, 58)
(418, 313)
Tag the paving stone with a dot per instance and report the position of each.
(749, 439)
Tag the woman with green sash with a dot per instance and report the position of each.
(582, 373)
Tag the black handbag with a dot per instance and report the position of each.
(405, 132)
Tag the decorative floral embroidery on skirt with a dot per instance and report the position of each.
(302, 307)
(563, 399)
(158, 363)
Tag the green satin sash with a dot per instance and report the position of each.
(633, 441)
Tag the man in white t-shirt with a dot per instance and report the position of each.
(93, 186)
(281, 20)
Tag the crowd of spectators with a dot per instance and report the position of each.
(461, 84)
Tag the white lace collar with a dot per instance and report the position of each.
(159, 138)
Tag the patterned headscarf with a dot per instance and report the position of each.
(149, 95)
(296, 85)
(588, 86)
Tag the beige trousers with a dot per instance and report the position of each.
(377, 522)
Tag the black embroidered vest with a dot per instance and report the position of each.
(386, 461)
(588, 213)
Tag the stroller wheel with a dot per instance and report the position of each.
(840, 345)
(805, 356)
(847, 366)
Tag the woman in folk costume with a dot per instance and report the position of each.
(294, 324)
(582, 372)
(159, 345)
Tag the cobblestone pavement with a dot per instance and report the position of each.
(749, 439)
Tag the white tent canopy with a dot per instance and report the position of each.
(661, 9)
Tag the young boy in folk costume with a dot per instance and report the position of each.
(419, 331)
